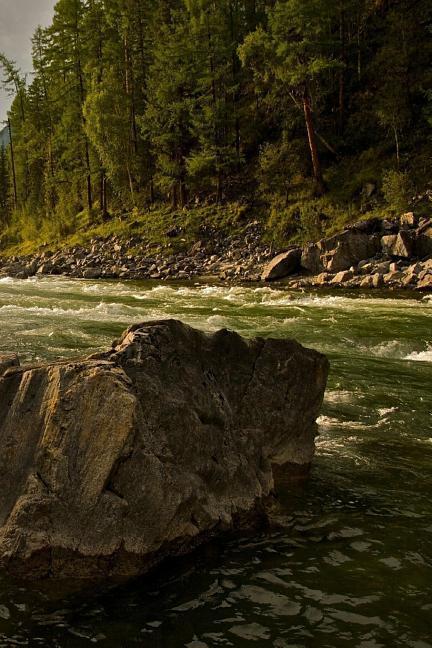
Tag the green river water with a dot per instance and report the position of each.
(354, 565)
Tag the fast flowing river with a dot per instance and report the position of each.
(354, 566)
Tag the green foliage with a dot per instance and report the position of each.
(398, 190)
(306, 219)
(166, 123)
(281, 165)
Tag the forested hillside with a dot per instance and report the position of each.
(305, 110)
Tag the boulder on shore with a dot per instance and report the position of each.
(346, 249)
(283, 265)
(339, 252)
(398, 245)
(311, 258)
(110, 464)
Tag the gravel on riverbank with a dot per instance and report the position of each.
(394, 254)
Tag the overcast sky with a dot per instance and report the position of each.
(18, 20)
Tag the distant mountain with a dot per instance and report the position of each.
(4, 136)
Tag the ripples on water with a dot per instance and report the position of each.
(354, 565)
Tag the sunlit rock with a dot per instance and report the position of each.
(110, 464)
(283, 265)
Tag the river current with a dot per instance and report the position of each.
(353, 566)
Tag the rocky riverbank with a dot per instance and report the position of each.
(110, 464)
(375, 253)
(226, 258)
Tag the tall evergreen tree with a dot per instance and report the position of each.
(167, 121)
(298, 54)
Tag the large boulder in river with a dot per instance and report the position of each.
(110, 464)
(283, 265)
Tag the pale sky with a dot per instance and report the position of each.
(18, 21)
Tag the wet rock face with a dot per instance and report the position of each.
(110, 464)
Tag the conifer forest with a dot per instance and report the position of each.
(306, 108)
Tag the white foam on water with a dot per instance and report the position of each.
(327, 423)
(398, 350)
(420, 356)
(336, 396)
(104, 311)
(384, 411)
(389, 349)
(217, 321)
(162, 290)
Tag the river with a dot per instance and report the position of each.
(354, 566)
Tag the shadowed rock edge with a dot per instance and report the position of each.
(112, 463)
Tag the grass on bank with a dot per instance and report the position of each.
(357, 189)
(153, 226)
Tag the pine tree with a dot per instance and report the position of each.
(167, 121)
(297, 54)
(68, 56)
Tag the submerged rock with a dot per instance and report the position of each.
(110, 464)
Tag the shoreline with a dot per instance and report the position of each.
(395, 292)
(373, 254)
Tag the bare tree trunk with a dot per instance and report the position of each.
(234, 64)
(342, 70)
(130, 92)
(397, 143)
(312, 142)
(89, 182)
(86, 144)
(174, 196)
(359, 52)
(219, 187)
(13, 165)
(131, 184)
(214, 100)
(103, 194)
(80, 78)
(152, 192)
(183, 194)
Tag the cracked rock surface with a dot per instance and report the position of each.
(112, 463)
